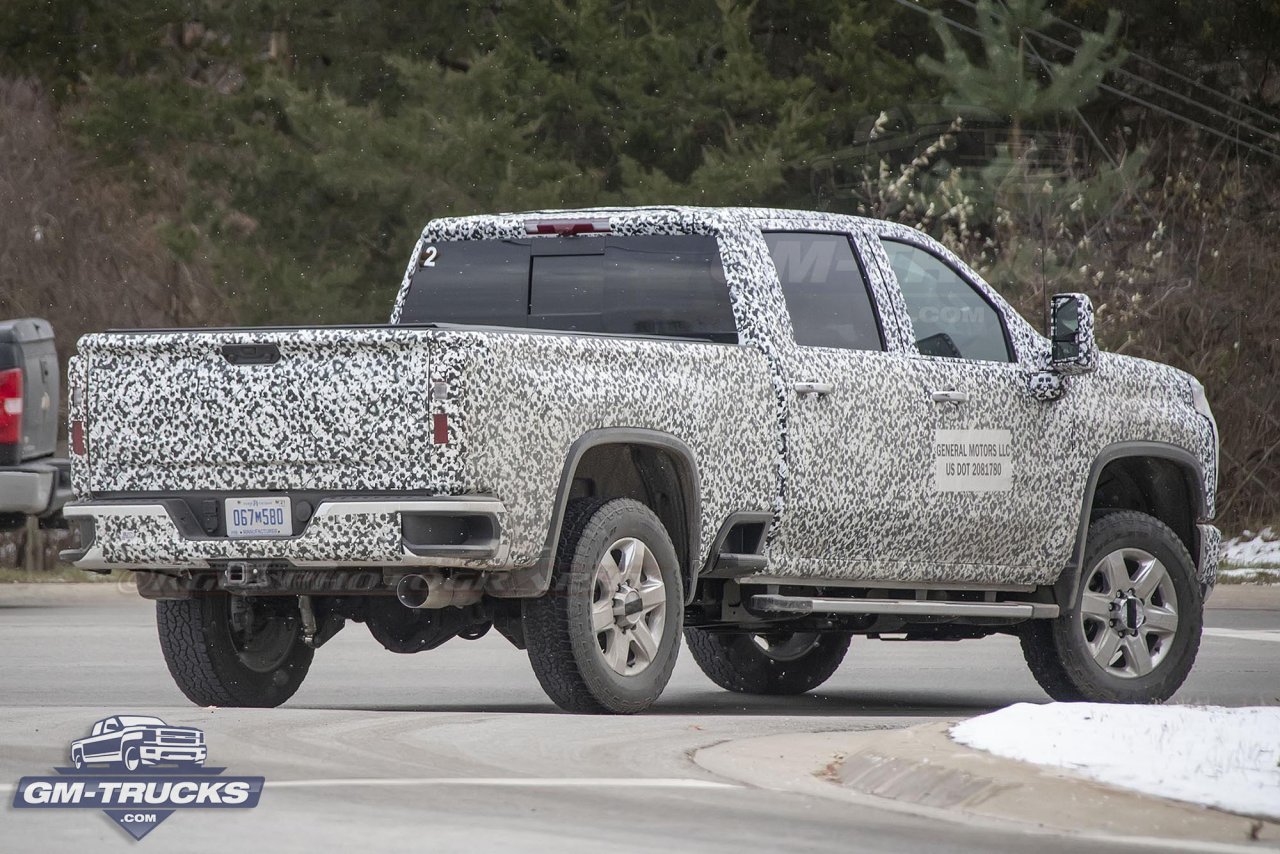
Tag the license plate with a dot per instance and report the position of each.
(259, 517)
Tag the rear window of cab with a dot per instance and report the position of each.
(661, 285)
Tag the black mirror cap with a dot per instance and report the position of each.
(1071, 333)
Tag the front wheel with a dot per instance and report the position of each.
(132, 759)
(227, 650)
(1133, 631)
(767, 663)
(605, 636)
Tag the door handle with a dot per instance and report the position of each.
(815, 389)
(950, 396)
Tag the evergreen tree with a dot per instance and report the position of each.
(1011, 79)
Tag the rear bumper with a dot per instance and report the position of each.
(36, 488)
(342, 532)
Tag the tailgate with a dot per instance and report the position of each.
(332, 409)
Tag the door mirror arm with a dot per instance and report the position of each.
(1073, 349)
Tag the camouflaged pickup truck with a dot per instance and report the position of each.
(599, 431)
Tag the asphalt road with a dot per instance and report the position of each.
(458, 750)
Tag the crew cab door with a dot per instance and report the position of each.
(857, 429)
(993, 496)
(105, 741)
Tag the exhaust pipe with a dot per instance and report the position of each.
(413, 591)
(435, 590)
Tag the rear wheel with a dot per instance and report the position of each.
(234, 650)
(605, 637)
(768, 663)
(1133, 631)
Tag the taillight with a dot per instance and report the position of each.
(77, 438)
(11, 406)
(567, 226)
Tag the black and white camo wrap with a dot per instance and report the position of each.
(1046, 386)
(350, 410)
(363, 539)
(1086, 358)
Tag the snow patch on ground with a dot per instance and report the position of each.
(1253, 550)
(1218, 757)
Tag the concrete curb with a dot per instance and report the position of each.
(920, 770)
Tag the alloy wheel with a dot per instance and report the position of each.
(1129, 613)
(628, 606)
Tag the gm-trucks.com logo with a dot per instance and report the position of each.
(139, 771)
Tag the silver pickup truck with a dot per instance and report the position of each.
(597, 431)
(34, 482)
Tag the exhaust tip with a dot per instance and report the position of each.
(412, 590)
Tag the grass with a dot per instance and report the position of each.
(1228, 574)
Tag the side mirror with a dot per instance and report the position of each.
(1071, 331)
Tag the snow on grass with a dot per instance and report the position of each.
(1252, 551)
(1248, 576)
(1225, 758)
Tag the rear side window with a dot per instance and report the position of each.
(826, 292)
(483, 282)
(670, 285)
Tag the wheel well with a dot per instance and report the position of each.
(1157, 486)
(654, 476)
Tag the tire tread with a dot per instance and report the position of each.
(546, 619)
(732, 661)
(204, 670)
(1065, 670)
(186, 653)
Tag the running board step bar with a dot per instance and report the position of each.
(730, 565)
(906, 607)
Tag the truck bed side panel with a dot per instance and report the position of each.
(524, 399)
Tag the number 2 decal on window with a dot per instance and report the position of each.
(429, 256)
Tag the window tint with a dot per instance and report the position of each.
(567, 292)
(826, 292)
(670, 285)
(951, 318)
(484, 282)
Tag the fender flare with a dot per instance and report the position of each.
(127, 740)
(535, 580)
(1193, 472)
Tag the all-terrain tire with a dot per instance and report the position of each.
(196, 636)
(1057, 651)
(565, 650)
(737, 662)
